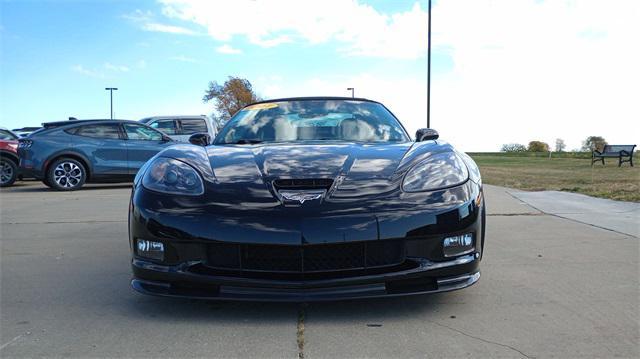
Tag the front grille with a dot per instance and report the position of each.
(303, 183)
(271, 258)
(305, 259)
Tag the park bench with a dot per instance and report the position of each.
(614, 151)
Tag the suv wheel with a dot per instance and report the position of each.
(66, 174)
(8, 172)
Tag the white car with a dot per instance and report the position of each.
(180, 128)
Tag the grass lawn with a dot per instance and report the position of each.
(563, 172)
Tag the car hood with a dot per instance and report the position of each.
(241, 179)
(303, 161)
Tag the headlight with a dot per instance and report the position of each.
(439, 171)
(167, 175)
(23, 143)
(474, 171)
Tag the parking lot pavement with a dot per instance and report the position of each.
(549, 287)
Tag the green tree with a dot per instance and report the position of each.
(513, 147)
(538, 146)
(229, 97)
(593, 143)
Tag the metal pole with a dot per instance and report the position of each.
(352, 91)
(429, 71)
(111, 95)
(111, 89)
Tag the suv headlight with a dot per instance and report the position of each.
(438, 171)
(171, 176)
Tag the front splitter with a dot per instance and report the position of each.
(238, 293)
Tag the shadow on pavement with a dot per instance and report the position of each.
(371, 310)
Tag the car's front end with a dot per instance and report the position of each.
(306, 220)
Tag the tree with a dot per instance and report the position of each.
(560, 146)
(513, 147)
(538, 146)
(593, 143)
(230, 97)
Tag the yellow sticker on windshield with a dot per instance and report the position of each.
(262, 106)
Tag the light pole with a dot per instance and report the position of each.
(429, 70)
(351, 89)
(111, 89)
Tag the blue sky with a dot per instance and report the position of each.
(58, 57)
(498, 73)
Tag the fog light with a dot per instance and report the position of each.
(150, 249)
(458, 245)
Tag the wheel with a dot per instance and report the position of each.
(8, 172)
(66, 174)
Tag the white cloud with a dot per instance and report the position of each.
(228, 49)
(116, 68)
(87, 72)
(139, 16)
(522, 70)
(361, 29)
(156, 27)
(106, 71)
(147, 22)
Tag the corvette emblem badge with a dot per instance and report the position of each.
(302, 196)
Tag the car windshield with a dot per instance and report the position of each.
(312, 120)
(6, 135)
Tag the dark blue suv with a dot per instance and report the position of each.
(66, 154)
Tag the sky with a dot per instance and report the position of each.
(503, 71)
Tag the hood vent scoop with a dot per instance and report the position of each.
(303, 183)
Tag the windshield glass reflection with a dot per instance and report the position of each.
(312, 120)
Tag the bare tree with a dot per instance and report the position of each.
(560, 145)
(513, 147)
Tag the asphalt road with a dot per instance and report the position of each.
(550, 287)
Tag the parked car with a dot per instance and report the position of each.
(307, 199)
(180, 128)
(8, 157)
(25, 131)
(67, 154)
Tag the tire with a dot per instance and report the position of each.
(8, 172)
(66, 174)
(46, 182)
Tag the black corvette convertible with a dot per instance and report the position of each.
(307, 199)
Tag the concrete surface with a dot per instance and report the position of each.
(623, 217)
(550, 287)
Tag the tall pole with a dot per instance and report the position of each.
(111, 89)
(352, 91)
(429, 71)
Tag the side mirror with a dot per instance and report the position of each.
(200, 139)
(426, 134)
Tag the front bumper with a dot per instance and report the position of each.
(214, 255)
(188, 281)
(27, 170)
